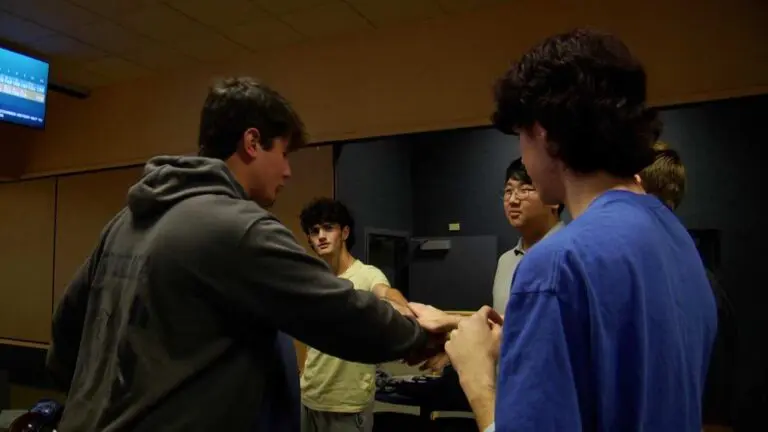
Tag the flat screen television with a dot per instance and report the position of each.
(23, 89)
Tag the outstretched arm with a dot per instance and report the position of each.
(394, 297)
(275, 279)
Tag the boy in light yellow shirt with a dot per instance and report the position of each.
(338, 395)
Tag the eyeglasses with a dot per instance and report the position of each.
(522, 192)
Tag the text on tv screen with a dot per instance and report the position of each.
(23, 89)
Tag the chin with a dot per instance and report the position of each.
(266, 202)
(551, 200)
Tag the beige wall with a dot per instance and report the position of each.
(86, 202)
(26, 258)
(432, 75)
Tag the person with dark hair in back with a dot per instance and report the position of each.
(611, 320)
(176, 320)
(338, 395)
(529, 216)
(665, 178)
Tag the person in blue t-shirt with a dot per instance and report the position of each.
(611, 320)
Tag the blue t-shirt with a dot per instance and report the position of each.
(609, 325)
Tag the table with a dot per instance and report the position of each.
(430, 393)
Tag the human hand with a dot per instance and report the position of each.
(436, 363)
(434, 320)
(434, 347)
(473, 348)
(403, 309)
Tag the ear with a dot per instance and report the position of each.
(638, 180)
(541, 136)
(345, 233)
(538, 131)
(252, 142)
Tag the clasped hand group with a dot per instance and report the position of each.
(470, 343)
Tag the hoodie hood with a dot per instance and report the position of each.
(168, 180)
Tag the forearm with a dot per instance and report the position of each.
(396, 296)
(481, 394)
(385, 292)
(350, 324)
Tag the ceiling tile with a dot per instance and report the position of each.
(325, 20)
(163, 23)
(64, 47)
(262, 34)
(211, 48)
(392, 12)
(282, 7)
(110, 37)
(116, 68)
(79, 77)
(159, 56)
(219, 13)
(20, 30)
(113, 8)
(54, 14)
(454, 6)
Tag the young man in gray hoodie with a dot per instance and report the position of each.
(176, 320)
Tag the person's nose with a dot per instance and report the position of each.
(287, 172)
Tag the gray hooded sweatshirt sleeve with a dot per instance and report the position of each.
(179, 306)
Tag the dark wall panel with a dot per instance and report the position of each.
(374, 179)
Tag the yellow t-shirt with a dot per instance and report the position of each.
(334, 385)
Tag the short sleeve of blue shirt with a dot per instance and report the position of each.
(536, 381)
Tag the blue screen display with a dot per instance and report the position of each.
(23, 89)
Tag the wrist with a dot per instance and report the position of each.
(476, 385)
(481, 395)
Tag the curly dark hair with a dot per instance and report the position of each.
(235, 104)
(588, 91)
(327, 210)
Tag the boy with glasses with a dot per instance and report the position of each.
(533, 219)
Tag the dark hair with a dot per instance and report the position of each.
(516, 171)
(588, 92)
(327, 210)
(665, 177)
(235, 104)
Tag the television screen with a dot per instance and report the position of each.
(23, 89)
